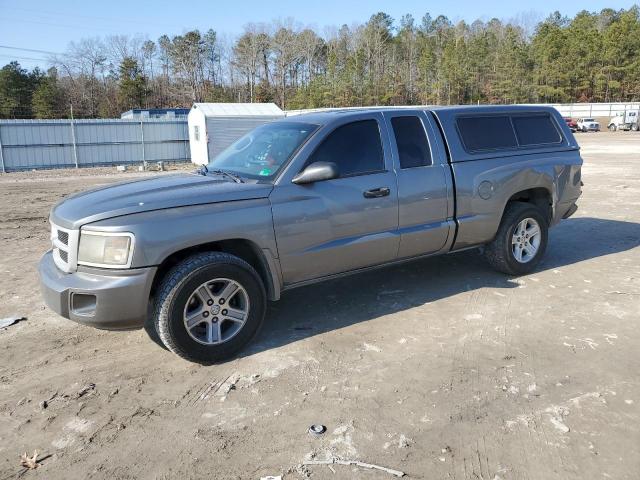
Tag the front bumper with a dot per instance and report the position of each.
(572, 209)
(111, 300)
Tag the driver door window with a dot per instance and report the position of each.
(355, 148)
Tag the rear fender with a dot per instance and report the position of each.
(485, 187)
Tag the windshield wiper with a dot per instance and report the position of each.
(203, 170)
(232, 176)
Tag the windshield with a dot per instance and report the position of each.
(261, 153)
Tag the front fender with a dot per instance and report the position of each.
(160, 233)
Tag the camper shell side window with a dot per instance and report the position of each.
(502, 132)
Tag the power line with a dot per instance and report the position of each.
(50, 24)
(19, 57)
(92, 17)
(30, 50)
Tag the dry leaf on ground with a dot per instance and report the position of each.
(30, 462)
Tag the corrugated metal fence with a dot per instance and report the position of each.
(29, 144)
(578, 110)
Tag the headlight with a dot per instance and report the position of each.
(107, 250)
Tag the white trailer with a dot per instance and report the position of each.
(215, 126)
(626, 120)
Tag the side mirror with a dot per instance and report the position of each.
(317, 172)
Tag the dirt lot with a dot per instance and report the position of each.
(439, 368)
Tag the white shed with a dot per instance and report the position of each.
(215, 126)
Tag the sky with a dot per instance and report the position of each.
(49, 26)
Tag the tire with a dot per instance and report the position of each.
(181, 300)
(635, 127)
(501, 252)
(612, 128)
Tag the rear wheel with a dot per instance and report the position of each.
(635, 127)
(521, 240)
(209, 307)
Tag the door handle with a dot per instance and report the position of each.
(377, 192)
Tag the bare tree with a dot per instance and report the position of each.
(186, 53)
(149, 51)
(310, 46)
(247, 56)
(285, 48)
(84, 64)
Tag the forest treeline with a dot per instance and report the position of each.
(592, 57)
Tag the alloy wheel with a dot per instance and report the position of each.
(526, 239)
(216, 311)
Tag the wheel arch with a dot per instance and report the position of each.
(541, 197)
(242, 248)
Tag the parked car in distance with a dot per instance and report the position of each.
(627, 120)
(588, 125)
(571, 123)
(305, 199)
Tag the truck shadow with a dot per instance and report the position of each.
(332, 305)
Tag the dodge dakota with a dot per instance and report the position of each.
(198, 255)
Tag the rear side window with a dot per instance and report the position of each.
(413, 147)
(535, 130)
(355, 148)
(487, 133)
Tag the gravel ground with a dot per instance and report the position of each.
(440, 368)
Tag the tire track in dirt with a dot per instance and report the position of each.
(470, 396)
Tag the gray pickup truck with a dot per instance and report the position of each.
(304, 199)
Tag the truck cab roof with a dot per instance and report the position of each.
(507, 124)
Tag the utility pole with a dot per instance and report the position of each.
(144, 157)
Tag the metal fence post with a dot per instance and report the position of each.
(1, 155)
(73, 138)
(144, 157)
(186, 144)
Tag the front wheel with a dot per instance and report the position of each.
(209, 306)
(521, 240)
(612, 128)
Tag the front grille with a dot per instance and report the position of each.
(63, 237)
(65, 248)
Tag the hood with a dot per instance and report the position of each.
(167, 191)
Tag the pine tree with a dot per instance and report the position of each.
(47, 100)
(132, 85)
